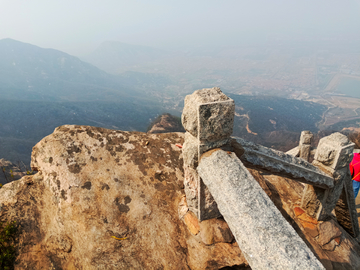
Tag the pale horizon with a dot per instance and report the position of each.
(79, 27)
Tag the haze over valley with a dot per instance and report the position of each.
(298, 71)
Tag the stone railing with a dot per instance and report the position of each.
(208, 118)
(304, 149)
(217, 183)
(333, 155)
(265, 238)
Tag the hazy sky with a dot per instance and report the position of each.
(79, 26)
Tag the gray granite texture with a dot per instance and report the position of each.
(306, 137)
(313, 199)
(305, 151)
(198, 198)
(208, 114)
(208, 118)
(333, 155)
(278, 161)
(216, 120)
(305, 144)
(191, 179)
(190, 150)
(334, 151)
(264, 236)
(345, 208)
(190, 153)
(294, 152)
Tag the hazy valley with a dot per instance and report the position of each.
(279, 90)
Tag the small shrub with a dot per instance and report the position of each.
(7, 249)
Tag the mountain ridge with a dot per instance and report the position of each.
(33, 73)
(112, 56)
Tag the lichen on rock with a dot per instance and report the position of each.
(95, 186)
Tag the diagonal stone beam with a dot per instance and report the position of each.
(278, 161)
(267, 240)
(295, 152)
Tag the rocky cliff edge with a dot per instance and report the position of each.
(106, 199)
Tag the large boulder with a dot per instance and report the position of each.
(106, 199)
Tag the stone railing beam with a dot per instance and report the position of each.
(266, 239)
(333, 156)
(278, 161)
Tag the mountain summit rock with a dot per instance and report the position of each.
(109, 199)
(106, 199)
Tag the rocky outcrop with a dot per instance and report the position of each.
(166, 123)
(334, 250)
(10, 172)
(105, 199)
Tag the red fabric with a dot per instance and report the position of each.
(355, 167)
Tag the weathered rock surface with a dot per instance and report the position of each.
(306, 137)
(328, 231)
(206, 120)
(277, 161)
(215, 231)
(286, 195)
(10, 172)
(166, 123)
(305, 144)
(333, 156)
(94, 184)
(72, 229)
(334, 151)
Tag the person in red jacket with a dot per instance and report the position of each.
(355, 173)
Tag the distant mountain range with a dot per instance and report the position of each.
(113, 56)
(41, 89)
(28, 72)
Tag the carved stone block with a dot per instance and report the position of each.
(305, 151)
(216, 120)
(306, 137)
(189, 117)
(333, 156)
(334, 151)
(208, 118)
(190, 151)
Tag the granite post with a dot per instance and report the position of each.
(208, 118)
(333, 155)
(303, 150)
(305, 144)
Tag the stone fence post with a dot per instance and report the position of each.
(305, 144)
(333, 155)
(303, 150)
(208, 118)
